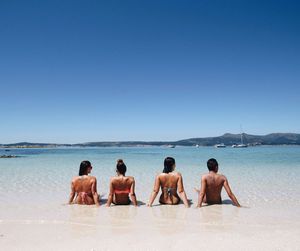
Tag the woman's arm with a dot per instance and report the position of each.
(111, 193)
(72, 194)
(181, 191)
(155, 191)
(94, 192)
(132, 193)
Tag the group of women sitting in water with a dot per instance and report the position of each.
(122, 187)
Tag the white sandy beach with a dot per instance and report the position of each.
(219, 227)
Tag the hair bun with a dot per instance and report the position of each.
(120, 161)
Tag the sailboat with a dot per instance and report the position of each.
(222, 145)
(171, 146)
(242, 145)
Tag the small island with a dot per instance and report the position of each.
(8, 156)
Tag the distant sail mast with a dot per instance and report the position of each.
(241, 129)
(241, 145)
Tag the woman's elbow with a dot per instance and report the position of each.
(181, 191)
(94, 193)
(231, 195)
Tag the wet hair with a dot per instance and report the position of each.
(121, 167)
(212, 164)
(84, 165)
(168, 164)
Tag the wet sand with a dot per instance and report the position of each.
(218, 227)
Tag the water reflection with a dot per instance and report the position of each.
(217, 217)
(169, 219)
(83, 220)
(121, 218)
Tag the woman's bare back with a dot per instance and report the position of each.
(122, 187)
(169, 185)
(83, 187)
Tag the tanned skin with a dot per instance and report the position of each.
(211, 187)
(171, 180)
(84, 184)
(121, 182)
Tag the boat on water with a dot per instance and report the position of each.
(171, 146)
(222, 145)
(197, 146)
(241, 145)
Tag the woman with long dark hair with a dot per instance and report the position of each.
(84, 187)
(170, 182)
(121, 187)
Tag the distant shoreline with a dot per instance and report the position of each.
(76, 147)
(227, 139)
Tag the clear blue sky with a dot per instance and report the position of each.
(79, 71)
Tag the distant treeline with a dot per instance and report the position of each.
(227, 139)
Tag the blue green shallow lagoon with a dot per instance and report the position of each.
(34, 190)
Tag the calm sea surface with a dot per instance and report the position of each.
(34, 190)
(259, 176)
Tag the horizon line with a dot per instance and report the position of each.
(146, 141)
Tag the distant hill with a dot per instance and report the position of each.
(227, 139)
(230, 139)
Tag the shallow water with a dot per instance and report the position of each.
(34, 190)
(257, 175)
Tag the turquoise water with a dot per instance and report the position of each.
(34, 190)
(259, 176)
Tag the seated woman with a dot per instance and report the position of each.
(169, 181)
(121, 187)
(84, 187)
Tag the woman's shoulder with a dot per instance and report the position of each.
(114, 178)
(91, 178)
(161, 175)
(131, 178)
(75, 178)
